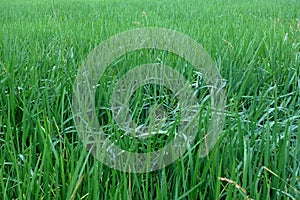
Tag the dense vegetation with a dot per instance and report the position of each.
(256, 47)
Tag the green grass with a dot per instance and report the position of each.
(256, 46)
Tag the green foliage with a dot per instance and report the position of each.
(256, 46)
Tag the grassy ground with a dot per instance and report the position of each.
(256, 46)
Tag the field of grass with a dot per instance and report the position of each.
(255, 45)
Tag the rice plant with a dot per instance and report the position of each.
(254, 44)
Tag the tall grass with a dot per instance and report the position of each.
(256, 46)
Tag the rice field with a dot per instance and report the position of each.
(254, 44)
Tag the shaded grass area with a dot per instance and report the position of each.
(256, 46)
